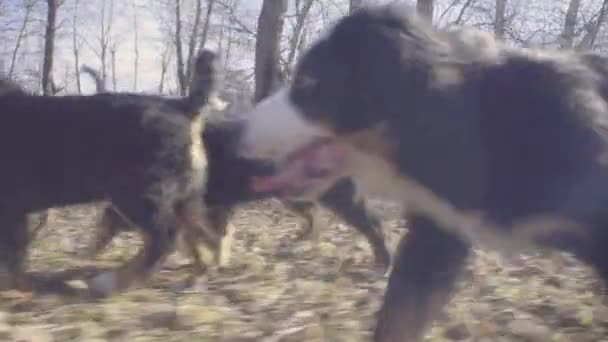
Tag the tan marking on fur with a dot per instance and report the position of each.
(182, 139)
(216, 104)
(197, 149)
(222, 256)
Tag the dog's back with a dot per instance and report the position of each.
(76, 147)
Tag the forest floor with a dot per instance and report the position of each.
(277, 288)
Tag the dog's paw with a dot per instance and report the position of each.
(103, 284)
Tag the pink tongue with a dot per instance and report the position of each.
(303, 169)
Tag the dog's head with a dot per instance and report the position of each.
(347, 90)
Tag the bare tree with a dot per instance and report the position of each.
(570, 21)
(29, 5)
(267, 47)
(164, 66)
(192, 43)
(105, 34)
(302, 10)
(206, 24)
(113, 64)
(179, 55)
(448, 10)
(135, 46)
(499, 19)
(49, 47)
(425, 8)
(76, 44)
(196, 40)
(593, 28)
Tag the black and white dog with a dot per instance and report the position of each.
(478, 141)
(143, 153)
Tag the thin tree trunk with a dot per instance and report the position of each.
(164, 66)
(113, 65)
(294, 41)
(26, 19)
(75, 48)
(193, 38)
(181, 77)
(500, 20)
(570, 24)
(464, 8)
(228, 50)
(267, 47)
(106, 28)
(600, 20)
(102, 52)
(136, 47)
(206, 24)
(49, 47)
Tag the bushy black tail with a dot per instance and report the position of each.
(205, 79)
(99, 86)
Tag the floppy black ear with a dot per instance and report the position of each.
(387, 53)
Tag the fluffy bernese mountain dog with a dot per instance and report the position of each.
(481, 143)
(143, 153)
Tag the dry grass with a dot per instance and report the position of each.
(280, 289)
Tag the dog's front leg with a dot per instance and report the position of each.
(426, 268)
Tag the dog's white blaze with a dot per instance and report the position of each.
(276, 128)
(376, 178)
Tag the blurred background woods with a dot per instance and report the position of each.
(140, 45)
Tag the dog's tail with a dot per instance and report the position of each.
(99, 86)
(205, 79)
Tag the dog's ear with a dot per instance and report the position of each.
(393, 31)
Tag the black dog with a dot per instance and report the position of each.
(480, 142)
(142, 153)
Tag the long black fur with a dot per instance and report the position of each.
(508, 133)
(134, 150)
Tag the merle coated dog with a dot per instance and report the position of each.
(143, 153)
(483, 144)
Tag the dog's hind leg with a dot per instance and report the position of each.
(14, 241)
(219, 220)
(424, 273)
(158, 224)
(341, 200)
(110, 224)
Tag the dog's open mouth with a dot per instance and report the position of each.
(304, 169)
